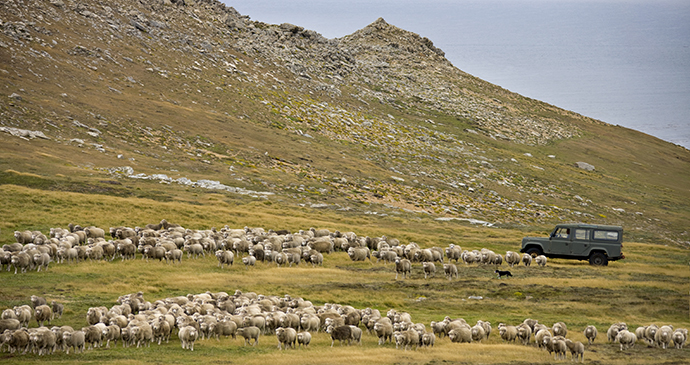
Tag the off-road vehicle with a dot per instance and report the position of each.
(597, 243)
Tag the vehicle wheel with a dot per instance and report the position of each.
(598, 259)
(534, 252)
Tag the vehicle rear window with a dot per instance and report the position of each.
(606, 235)
(581, 234)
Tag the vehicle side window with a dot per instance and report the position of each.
(582, 234)
(606, 235)
(562, 233)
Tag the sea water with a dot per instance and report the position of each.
(624, 62)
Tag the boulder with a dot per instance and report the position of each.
(584, 166)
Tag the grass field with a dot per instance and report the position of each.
(650, 286)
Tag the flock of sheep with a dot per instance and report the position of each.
(164, 241)
(137, 322)
(133, 321)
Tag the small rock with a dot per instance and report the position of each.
(16, 97)
(584, 165)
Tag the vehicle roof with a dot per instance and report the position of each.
(593, 226)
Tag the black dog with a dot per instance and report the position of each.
(503, 273)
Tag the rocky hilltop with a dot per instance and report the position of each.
(193, 93)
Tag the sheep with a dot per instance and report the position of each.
(22, 261)
(94, 232)
(612, 332)
(403, 266)
(36, 301)
(429, 269)
(461, 334)
(249, 261)
(450, 270)
(559, 347)
(512, 258)
(303, 338)
(59, 331)
(540, 260)
(626, 339)
(359, 253)
(8, 314)
(542, 337)
(384, 331)
(356, 334)
(453, 252)
(527, 259)
(428, 339)
(42, 340)
(75, 340)
(407, 339)
(663, 336)
(43, 313)
(590, 333)
(650, 333)
(154, 252)
(577, 350)
(340, 333)
(524, 333)
(560, 329)
(24, 237)
(113, 333)
(173, 255)
(322, 245)
(188, 335)
(19, 340)
(93, 336)
(195, 249)
(41, 260)
(249, 333)
(310, 322)
(280, 258)
(478, 333)
(286, 337)
(23, 314)
(9, 324)
(316, 259)
(225, 257)
(680, 336)
(507, 333)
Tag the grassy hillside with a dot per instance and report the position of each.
(131, 112)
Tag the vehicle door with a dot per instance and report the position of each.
(580, 244)
(559, 242)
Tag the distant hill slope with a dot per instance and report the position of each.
(192, 92)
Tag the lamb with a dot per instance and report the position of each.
(512, 258)
(340, 333)
(403, 266)
(249, 333)
(43, 313)
(527, 259)
(188, 335)
(590, 333)
(626, 339)
(75, 340)
(450, 270)
(225, 258)
(303, 338)
(249, 261)
(429, 269)
(577, 350)
(540, 260)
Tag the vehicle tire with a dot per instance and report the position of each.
(598, 259)
(533, 251)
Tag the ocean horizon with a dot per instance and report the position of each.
(625, 63)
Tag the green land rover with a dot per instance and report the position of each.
(597, 243)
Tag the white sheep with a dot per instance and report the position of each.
(680, 336)
(527, 259)
(450, 270)
(626, 339)
(403, 266)
(188, 335)
(590, 333)
(540, 260)
(429, 269)
(303, 338)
